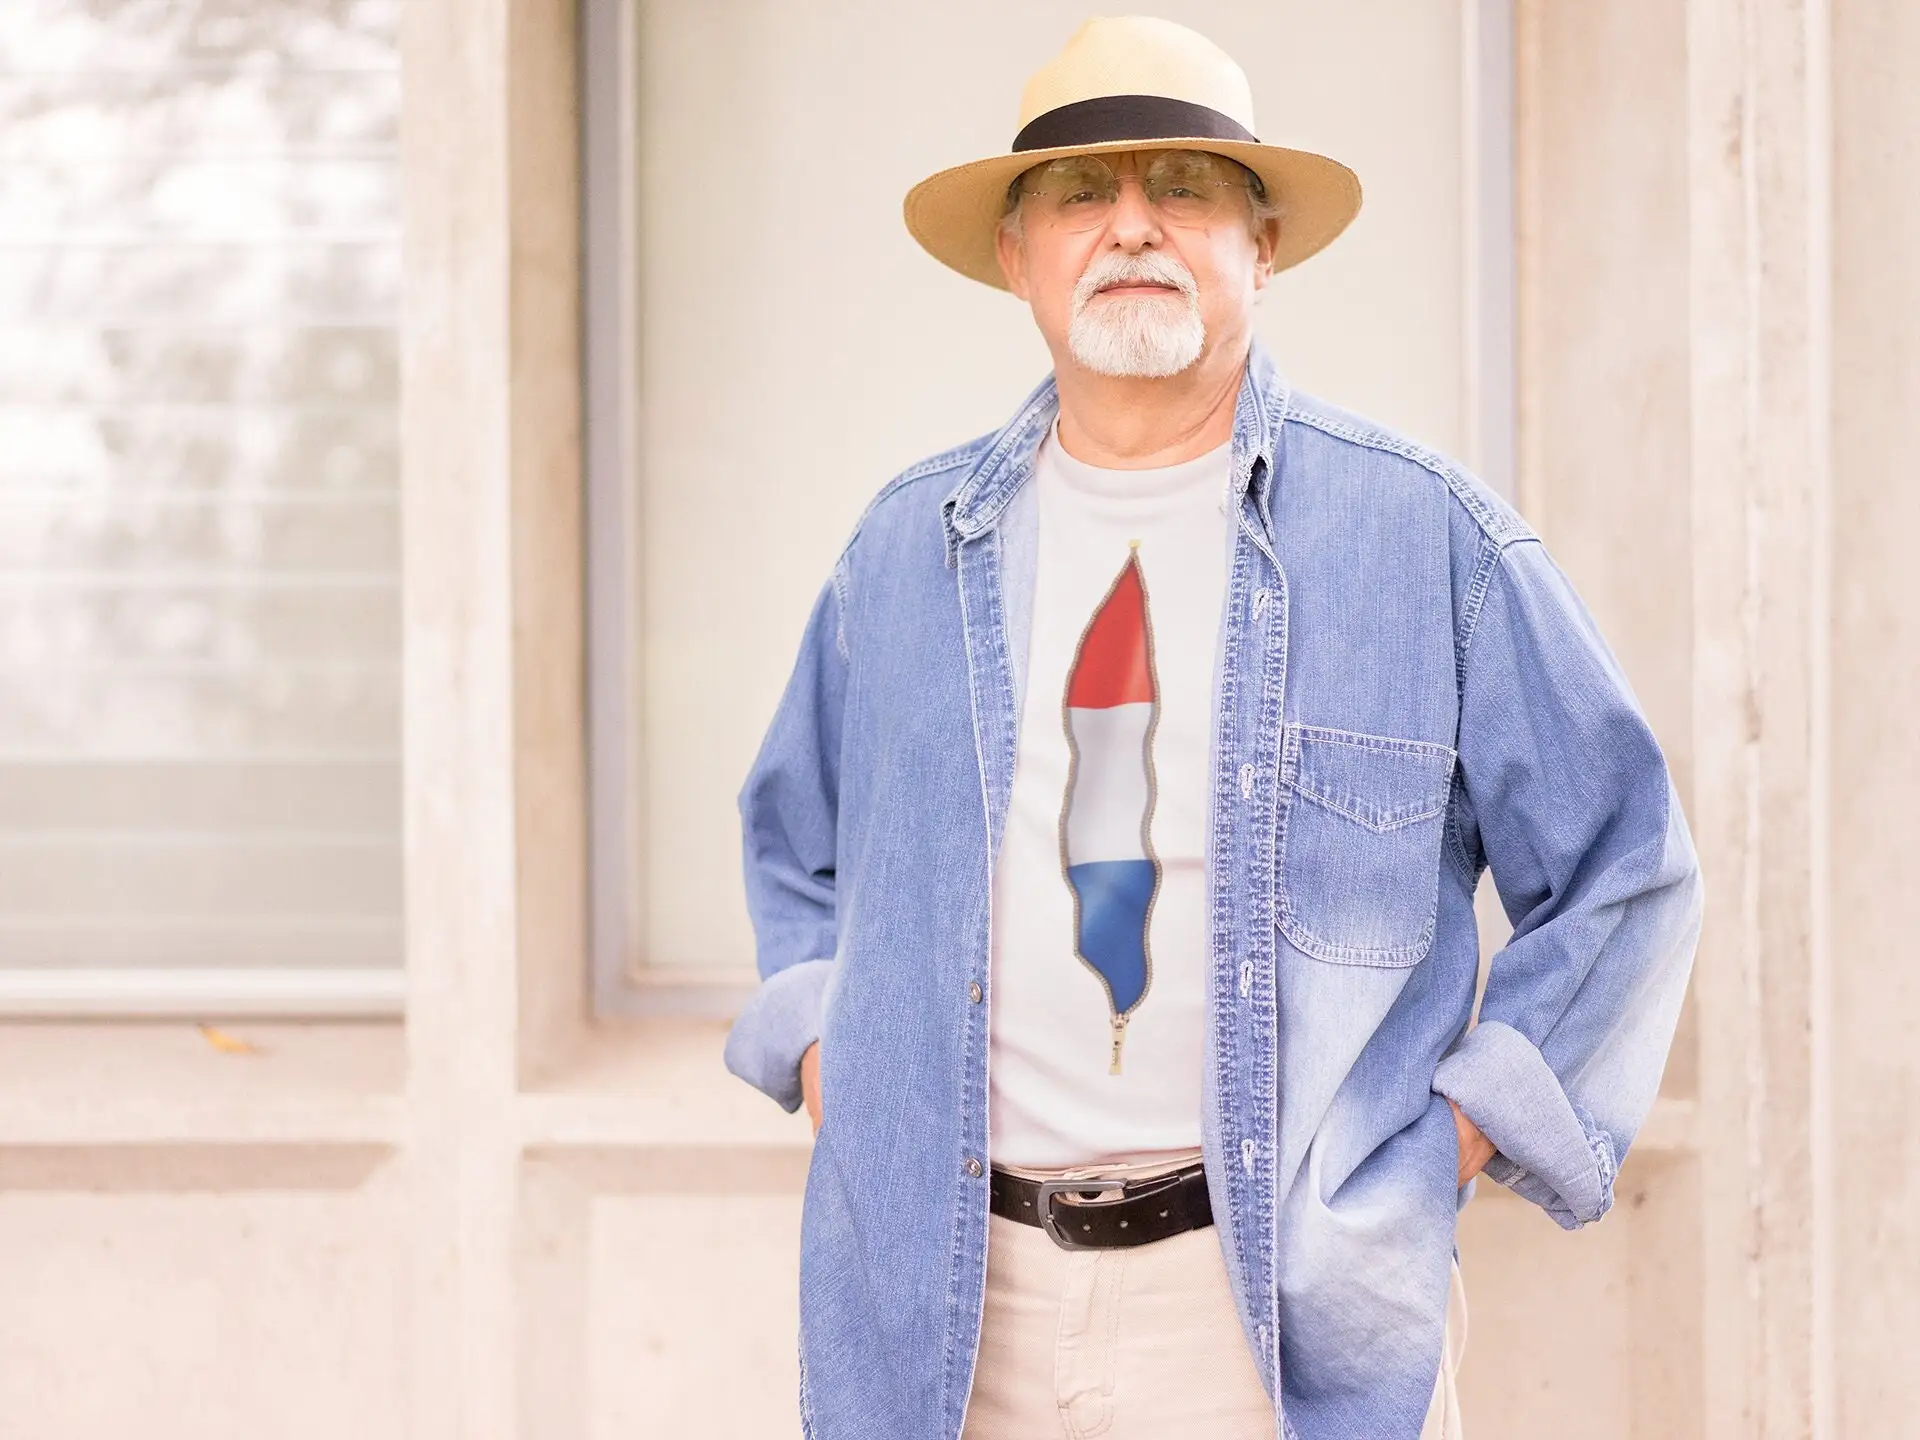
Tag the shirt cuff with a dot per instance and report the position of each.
(1550, 1150)
(776, 1028)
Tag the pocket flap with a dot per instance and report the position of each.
(1379, 782)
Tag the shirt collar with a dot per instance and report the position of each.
(973, 506)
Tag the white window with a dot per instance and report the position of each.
(199, 603)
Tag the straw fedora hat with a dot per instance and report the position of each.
(1131, 83)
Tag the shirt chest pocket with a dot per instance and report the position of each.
(1359, 869)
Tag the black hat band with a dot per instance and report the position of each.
(1107, 118)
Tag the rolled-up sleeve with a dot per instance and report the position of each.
(789, 817)
(1567, 797)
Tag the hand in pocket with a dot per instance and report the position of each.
(1475, 1148)
(810, 1085)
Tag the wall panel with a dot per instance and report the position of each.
(227, 1308)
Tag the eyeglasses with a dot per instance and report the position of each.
(1184, 187)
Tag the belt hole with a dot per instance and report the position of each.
(1123, 1224)
(1163, 1215)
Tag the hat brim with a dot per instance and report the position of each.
(954, 214)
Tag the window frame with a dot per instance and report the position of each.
(251, 992)
(621, 983)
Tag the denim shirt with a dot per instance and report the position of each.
(1406, 692)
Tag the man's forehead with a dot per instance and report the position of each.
(1123, 160)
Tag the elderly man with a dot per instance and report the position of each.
(1117, 834)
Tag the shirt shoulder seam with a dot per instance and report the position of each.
(1499, 529)
(943, 463)
(1471, 610)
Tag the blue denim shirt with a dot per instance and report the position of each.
(1407, 691)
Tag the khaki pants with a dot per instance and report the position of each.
(1135, 1344)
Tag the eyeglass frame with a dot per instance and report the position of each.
(1251, 183)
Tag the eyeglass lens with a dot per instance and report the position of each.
(1078, 192)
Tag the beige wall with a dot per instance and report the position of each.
(505, 1222)
(1719, 294)
(1873, 627)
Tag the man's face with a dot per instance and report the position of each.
(1135, 263)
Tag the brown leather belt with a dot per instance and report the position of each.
(1105, 1214)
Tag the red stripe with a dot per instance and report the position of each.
(1113, 668)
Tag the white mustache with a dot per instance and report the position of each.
(1149, 267)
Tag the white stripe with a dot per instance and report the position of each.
(1109, 784)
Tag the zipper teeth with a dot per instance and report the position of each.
(1153, 786)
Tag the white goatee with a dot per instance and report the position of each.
(1140, 336)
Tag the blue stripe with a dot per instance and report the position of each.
(1114, 895)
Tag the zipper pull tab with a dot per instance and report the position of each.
(1119, 1034)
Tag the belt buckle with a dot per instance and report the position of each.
(1051, 1188)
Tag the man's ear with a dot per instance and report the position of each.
(1265, 243)
(1012, 254)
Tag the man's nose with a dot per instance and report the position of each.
(1134, 223)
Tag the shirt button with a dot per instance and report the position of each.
(973, 1167)
(1246, 978)
(1246, 1155)
(974, 992)
(1246, 782)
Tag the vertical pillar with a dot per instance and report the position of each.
(1875, 634)
(493, 775)
(456, 557)
(1759, 314)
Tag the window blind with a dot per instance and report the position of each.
(199, 604)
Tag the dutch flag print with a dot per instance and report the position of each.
(1112, 701)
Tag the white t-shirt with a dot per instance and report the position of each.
(1100, 928)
